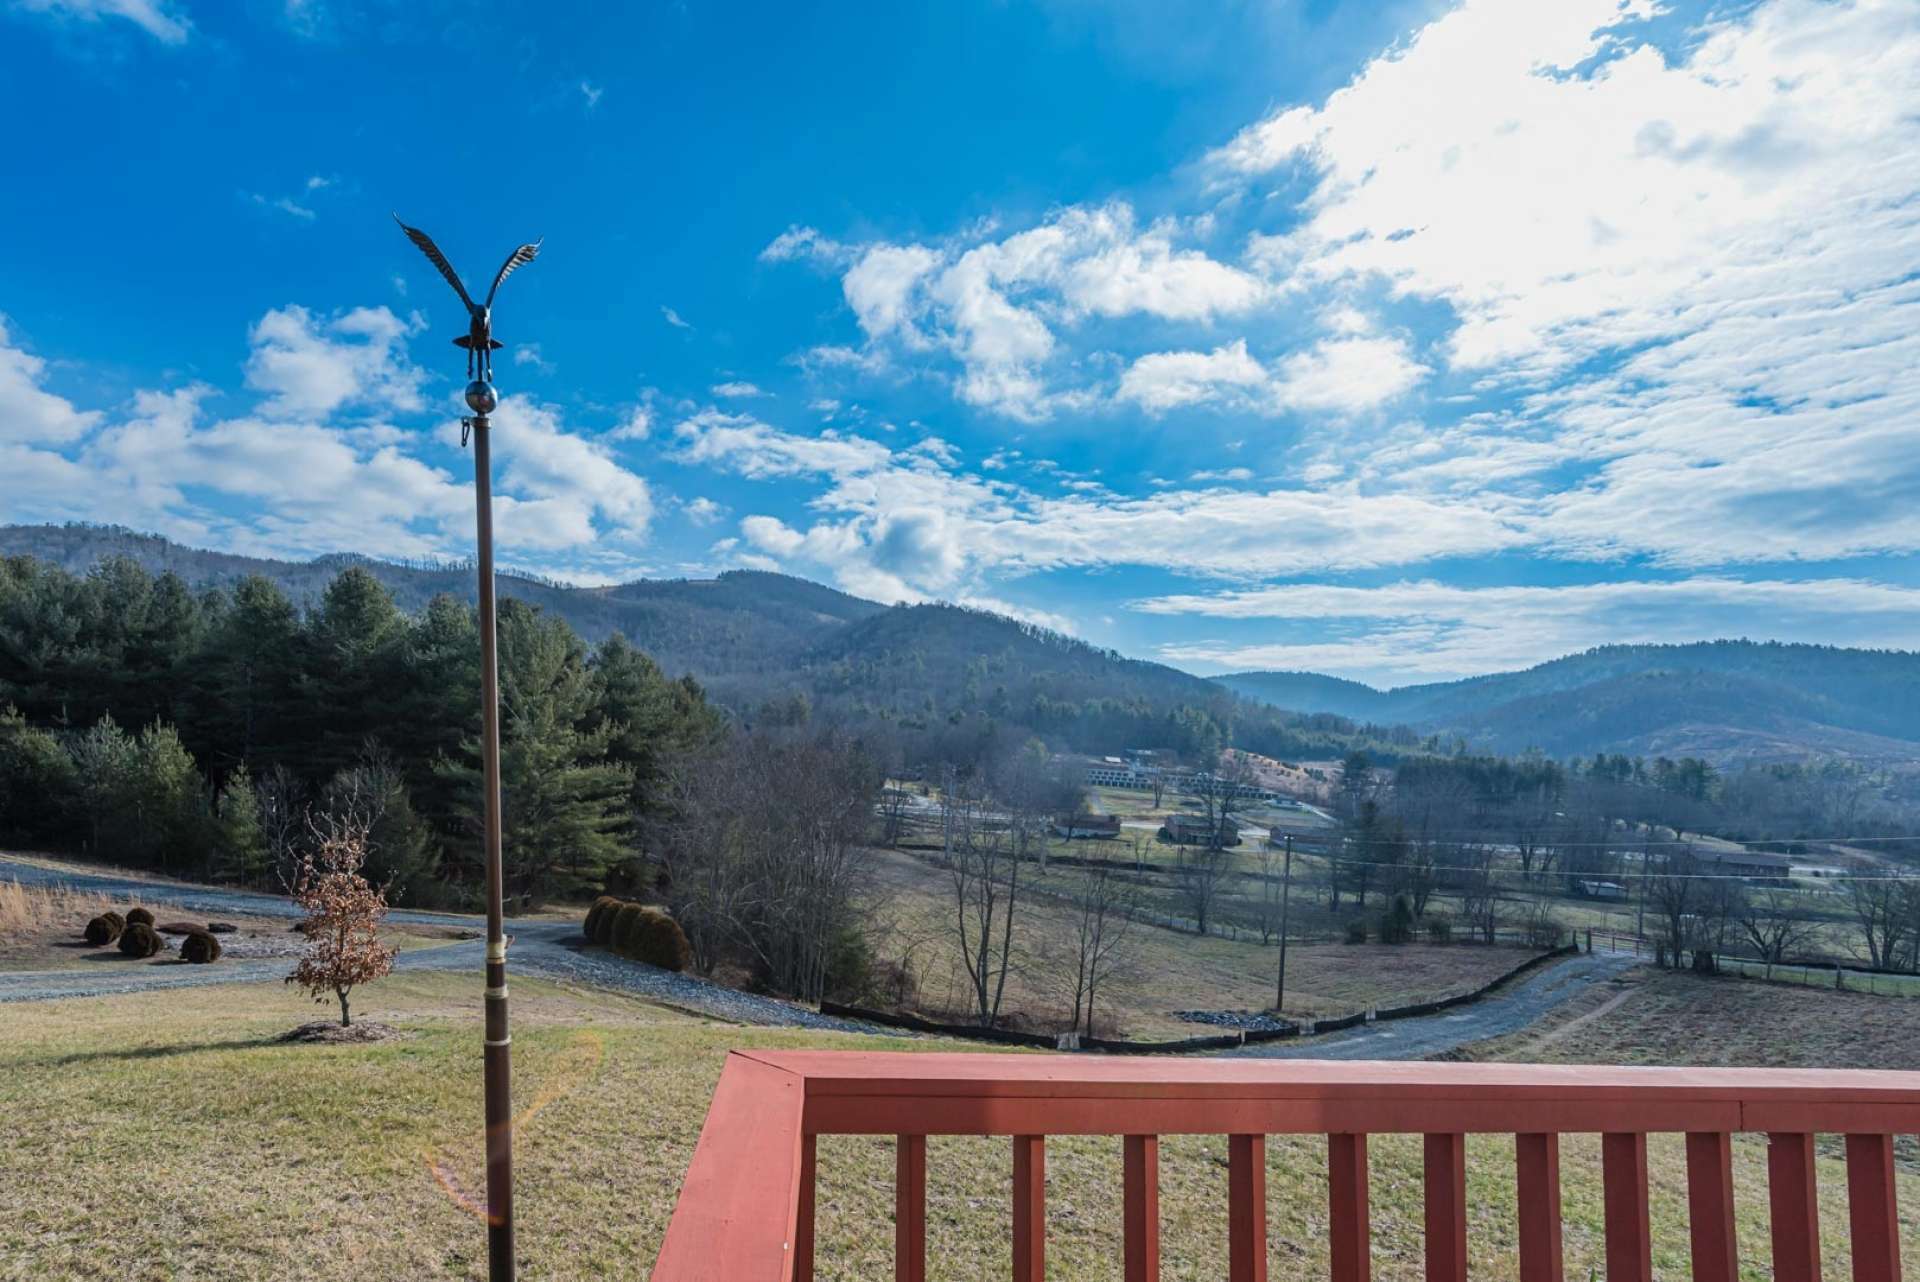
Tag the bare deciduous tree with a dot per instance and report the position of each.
(1775, 922)
(760, 844)
(1479, 893)
(984, 871)
(1199, 872)
(1101, 921)
(343, 918)
(1883, 908)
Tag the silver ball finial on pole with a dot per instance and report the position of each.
(482, 397)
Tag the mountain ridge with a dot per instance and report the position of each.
(753, 636)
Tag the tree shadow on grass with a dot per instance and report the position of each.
(136, 1053)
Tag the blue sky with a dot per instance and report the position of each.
(1395, 340)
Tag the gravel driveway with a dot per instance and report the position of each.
(1507, 1011)
(552, 950)
(555, 950)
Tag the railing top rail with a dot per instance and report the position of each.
(854, 1073)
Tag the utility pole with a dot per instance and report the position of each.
(497, 1054)
(1286, 890)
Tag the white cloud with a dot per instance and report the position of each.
(704, 511)
(291, 478)
(1167, 380)
(29, 414)
(591, 94)
(904, 525)
(284, 204)
(1347, 375)
(798, 242)
(163, 21)
(673, 318)
(997, 306)
(1223, 474)
(1412, 631)
(637, 425)
(530, 354)
(311, 365)
(742, 444)
(562, 482)
(738, 390)
(880, 288)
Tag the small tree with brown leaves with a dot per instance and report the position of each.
(343, 921)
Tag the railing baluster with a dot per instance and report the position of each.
(910, 1209)
(1141, 1178)
(1029, 1208)
(1794, 1207)
(803, 1221)
(1247, 1208)
(1623, 1160)
(1446, 1206)
(1352, 1247)
(1537, 1174)
(1710, 1206)
(1871, 1212)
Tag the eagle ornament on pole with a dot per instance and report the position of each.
(483, 399)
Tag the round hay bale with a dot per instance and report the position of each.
(139, 915)
(199, 947)
(102, 930)
(140, 939)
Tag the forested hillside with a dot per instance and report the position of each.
(1723, 700)
(193, 730)
(919, 682)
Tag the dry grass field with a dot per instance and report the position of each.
(1654, 1017)
(171, 1133)
(1167, 970)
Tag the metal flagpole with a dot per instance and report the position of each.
(496, 1061)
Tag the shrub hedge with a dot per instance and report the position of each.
(139, 915)
(199, 947)
(638, 932)
(656, 939)
(103, 930)
(140, 939)
(600, 909)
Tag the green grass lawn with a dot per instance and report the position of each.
(167, 1135)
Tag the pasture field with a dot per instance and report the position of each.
(1167, 970)
(173, 1132)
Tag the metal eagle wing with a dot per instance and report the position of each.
(438, 259)
(517, 259)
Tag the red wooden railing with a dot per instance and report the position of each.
(746, 1210)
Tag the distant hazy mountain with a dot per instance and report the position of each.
(1719, 699)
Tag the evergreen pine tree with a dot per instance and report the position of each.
(239, 842)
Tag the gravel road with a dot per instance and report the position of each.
(551, 950)
(1507, 1011)
(554, 950)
